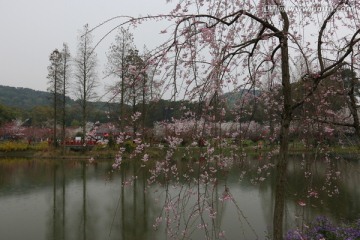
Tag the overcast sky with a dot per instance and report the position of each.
(32, 29)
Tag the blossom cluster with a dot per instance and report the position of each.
(323, 228)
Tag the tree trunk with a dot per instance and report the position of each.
(352, 104)
(281, 167)
(143, 114)
(122, 118)
(134, 110)
(84, 107)
(354, 113)
(63, 120)
(122, 89)
(280, 185)
(55, 108)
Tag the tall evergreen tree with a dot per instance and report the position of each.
(65, 81)
(54, 76)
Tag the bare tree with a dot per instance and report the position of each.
(65, 81)
(54, 76)
(150, 87)
(136, 84)
(85, 74)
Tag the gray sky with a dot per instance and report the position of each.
(31, 30)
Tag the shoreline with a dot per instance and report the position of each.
(108, 154)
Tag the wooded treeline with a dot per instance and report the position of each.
(25, 103)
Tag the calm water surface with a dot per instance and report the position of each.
(72, 199)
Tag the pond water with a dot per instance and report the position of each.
(73, 199)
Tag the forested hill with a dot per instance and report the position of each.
(26, 103)
(26, 98)
(23, 98)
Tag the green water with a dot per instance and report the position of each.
(48, 199)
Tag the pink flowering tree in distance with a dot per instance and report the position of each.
(217, 46)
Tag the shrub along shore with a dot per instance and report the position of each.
(44, 150)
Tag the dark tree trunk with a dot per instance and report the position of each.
(352, 104)
(280, 187)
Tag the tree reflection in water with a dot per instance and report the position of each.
(188, 199)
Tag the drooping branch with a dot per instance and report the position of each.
(328, 71)
(333, 122)
(321, 32)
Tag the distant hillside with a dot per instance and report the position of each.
(233, 97)
(23, 98)
(26, 103)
